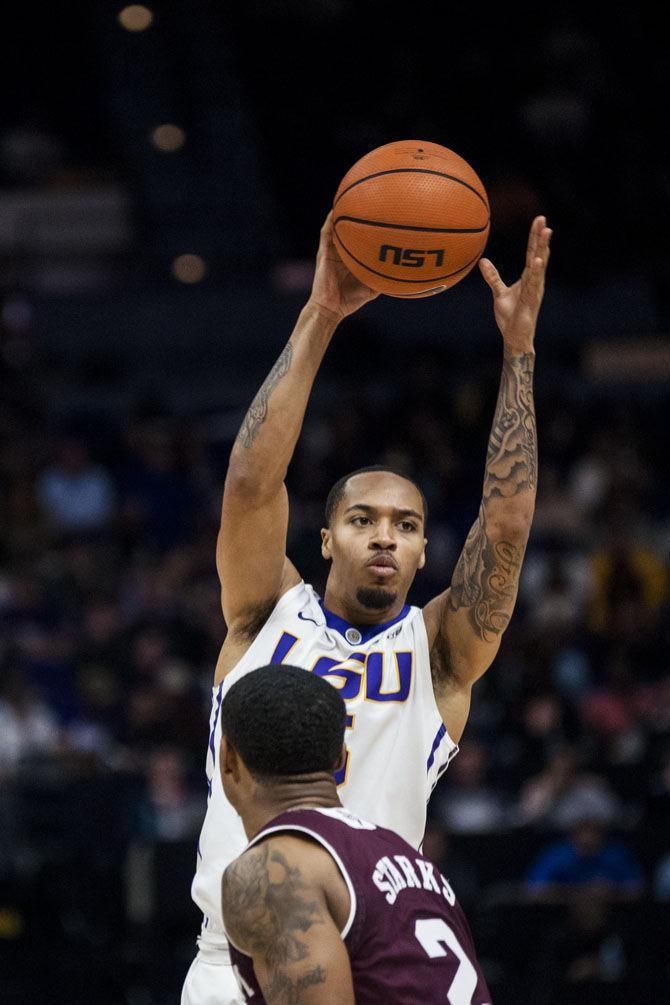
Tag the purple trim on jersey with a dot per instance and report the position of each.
(441, 733)
(216, 719)
(367, 632)
(285, 644)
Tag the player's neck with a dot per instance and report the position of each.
(350, 609)
(316, 791)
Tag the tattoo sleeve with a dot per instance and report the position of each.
(485, 579)
(258, 409)
(511, 462)
(268, 910)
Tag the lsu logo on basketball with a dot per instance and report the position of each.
(412, 257)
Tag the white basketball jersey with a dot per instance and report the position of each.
(397, 745)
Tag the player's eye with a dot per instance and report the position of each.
(407, 525)
(361, 521)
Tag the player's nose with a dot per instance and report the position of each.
(383, 538)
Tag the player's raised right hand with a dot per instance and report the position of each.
(334, 287)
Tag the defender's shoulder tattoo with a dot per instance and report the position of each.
(267, 908)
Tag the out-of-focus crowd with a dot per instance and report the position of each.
(111, 624)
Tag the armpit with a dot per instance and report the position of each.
(250, 626)
(441, 663)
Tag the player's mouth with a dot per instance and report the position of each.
(382, 566)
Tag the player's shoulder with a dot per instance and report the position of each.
(249, 865)
(345, 833)
(301, 596)
(296, 596)
(244, 887)
(275, 866)
(281, 853)
(333, 832)
(325, 818)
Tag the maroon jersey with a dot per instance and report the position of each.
(406, 935)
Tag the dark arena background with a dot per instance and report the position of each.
(164, 172)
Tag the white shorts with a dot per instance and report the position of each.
(211, 981)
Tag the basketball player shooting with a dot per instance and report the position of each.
(324, 907)
(405, 674)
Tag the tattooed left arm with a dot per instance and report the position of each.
(466, 622)
(276, 912)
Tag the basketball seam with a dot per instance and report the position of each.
(418, 293)
(406, 226)
(439, 174)
(396, 279)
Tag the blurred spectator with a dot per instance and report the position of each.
(545, 724)
(557, 514)
(102, 631)
(630, 580)
(159, 497)
(27, 727)
(539, 795)
(170, 811)
(589, 858)
(560, 796)
(557, 605)
(25, 526)
(467, 803)
(611, 466)
(584, 952)
(76, 494)
(50, 658)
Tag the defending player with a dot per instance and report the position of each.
(405, 674)
(323, 906)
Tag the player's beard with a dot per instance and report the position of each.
(374, 598)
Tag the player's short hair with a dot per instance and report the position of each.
(282, 720)
(337, 491)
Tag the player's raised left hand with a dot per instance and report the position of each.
(516, 307)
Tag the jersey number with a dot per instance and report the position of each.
(341, 773)
(432, 933)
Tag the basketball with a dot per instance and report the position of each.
(410, 219)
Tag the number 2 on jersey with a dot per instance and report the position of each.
(432, 933)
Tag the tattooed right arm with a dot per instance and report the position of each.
(279, 917)
(251, 548)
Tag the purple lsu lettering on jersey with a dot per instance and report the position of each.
(407, 937)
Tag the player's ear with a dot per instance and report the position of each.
(422, 560)
(341, 762)
(229, 760)
(326, 541)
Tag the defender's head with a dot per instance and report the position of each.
(374, 536)
(280, 724)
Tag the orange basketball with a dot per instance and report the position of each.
(410, 219)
